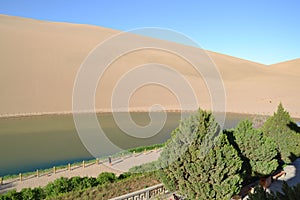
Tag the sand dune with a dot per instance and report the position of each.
(40, 60)
(291, 67)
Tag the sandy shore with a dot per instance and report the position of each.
(119, 166)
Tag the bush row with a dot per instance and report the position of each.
(63, 185)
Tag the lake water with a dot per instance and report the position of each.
(36, 142)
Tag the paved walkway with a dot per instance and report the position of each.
(292, 176)
(119, 165)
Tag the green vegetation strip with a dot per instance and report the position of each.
(106, 191)
(107, 185)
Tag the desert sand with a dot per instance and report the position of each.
(40, 60)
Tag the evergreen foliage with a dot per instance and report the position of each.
(199, 164)
(283, 131)
(257, 151)
(63, 185)
(288, 193)
(261, 194)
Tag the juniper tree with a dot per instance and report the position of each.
(198, 163)
(258, 150)
(281, 128)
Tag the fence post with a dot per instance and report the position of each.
(54, 170)
(20, 177)
(1, 180)
(37, 173)
(144, 151)
(109, 160)
(148, 194)
(97, 161)
(83, 164)
(69, 167)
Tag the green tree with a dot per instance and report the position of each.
(199, 164)
(258, 150)
(281, 128)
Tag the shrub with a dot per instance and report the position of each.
(88, 182)
(57, 187)
(75, 183)
(61, 186)
(12, 195)
(147, 167)
(124, 176)
(106, 177)
(27, 193)
(38, 193)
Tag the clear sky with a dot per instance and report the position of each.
(265, 31)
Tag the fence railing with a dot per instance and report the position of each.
(70, 167)
(46, 172)
(144, 194)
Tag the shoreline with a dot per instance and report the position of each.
(108, 111)
(29, 115)
(115, 156)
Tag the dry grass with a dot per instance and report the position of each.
(107, 191)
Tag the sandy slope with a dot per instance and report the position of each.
(39, 62)
(291, 67)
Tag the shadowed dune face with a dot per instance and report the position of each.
(40, 60)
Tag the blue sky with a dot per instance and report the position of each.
(265, 31)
